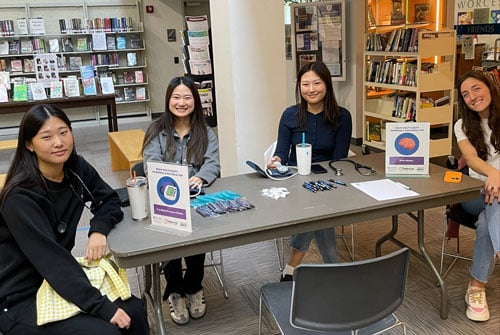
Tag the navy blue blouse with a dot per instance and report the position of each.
(327, 143)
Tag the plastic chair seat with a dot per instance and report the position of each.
(341, 298)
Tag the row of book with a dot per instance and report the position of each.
(391, 71)
(398, 40)
(68, 44)
(27, 65)
(7, 28)
(24, 46)
(98, 24)
(128, 94)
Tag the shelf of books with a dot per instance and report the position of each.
(409, 78)
(71, 49)
(197, 61)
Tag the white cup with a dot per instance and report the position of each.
(137, 189)
(304, 153)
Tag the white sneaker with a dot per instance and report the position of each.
(197, 305)
(178, 309)
(477, 307)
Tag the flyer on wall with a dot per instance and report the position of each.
(407, 149)
(169, 197)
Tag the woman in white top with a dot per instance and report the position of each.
(478, 137)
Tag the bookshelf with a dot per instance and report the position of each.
(107, 37)
(409, 81)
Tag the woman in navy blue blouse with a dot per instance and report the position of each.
(328, 128)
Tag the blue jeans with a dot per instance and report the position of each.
(325, 238)
(487, 242)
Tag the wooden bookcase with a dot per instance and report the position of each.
(125, 64)
(425, 91)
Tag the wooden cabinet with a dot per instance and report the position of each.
(410, 83)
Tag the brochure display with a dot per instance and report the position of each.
(407, 149)
(169, 197)
(318, 34)
(198, 63)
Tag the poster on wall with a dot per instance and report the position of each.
(319, 30)
(477, 17)
(407, 149)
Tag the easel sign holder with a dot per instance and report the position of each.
(407, 149)
(169, 198)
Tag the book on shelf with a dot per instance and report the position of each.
(16, 65)
(26, 47)
(99, 41)
(373, 131)
(20, 92)
(4, 47)
(88, 80)
(75, 62)
(3, 64)
(442, 101)
(128, 94)
(107, 86)
(28, 65)
(53, 45)
(14, 47)
(22, 26)
(81, 44)
(67, 44)
(121, 42)
(128, 77)
(136, 42)
(56, 89)
(38, 91)
(140, 93)
(110, 42)
(131, 59)
(71, 87)
(139, 76)
(118, 95)
(36, 25)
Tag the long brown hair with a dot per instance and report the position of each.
(471, 121)
(330, 103)
(198, 142)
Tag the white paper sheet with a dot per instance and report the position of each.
(385, 189)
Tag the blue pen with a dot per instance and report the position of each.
(338, 182)
(309, 187)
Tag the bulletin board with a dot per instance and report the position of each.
(318, 34)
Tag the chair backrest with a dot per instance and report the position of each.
(347, 296)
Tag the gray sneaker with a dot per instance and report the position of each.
(178, 309)
(197, 305)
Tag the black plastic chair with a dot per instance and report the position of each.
(341, 298)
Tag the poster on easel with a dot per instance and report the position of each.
(318, 34)
(169, 197)
(407, 149)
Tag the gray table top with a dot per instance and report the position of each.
(134, 244)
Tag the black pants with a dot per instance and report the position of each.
(21, 320)
(191, 281)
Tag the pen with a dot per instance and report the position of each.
(309, 187)
(339, 182)
(403, 185)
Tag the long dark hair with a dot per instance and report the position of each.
(24, 170)
(198, 142)
(330, 103)
(471, 121)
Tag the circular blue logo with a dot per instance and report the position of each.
(406, 144)
(168, 190)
